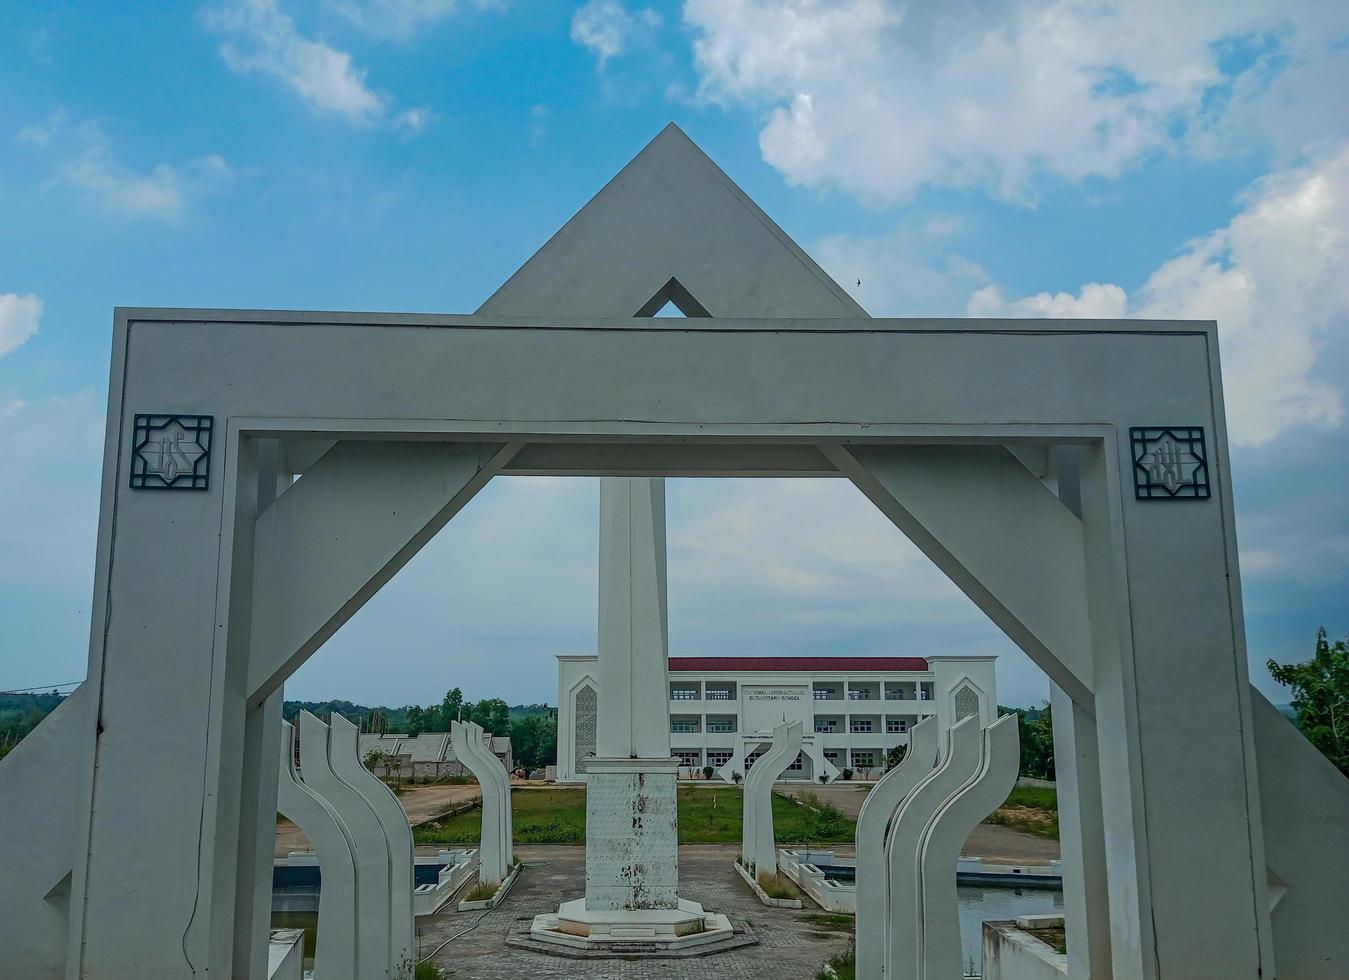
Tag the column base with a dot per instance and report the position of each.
(575, 926)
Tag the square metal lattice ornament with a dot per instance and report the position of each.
(171, 452)
(1170, 462)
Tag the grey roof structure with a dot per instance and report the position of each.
(425, 747)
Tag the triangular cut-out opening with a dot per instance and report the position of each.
(673, 294)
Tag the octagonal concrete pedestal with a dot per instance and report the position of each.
(619, 930)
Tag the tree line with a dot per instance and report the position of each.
(1320, 708)
(532, 728)
(21, 713)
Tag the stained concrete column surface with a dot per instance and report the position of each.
(631, 825)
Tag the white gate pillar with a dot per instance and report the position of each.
(1086, 891)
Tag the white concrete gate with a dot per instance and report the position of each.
(1071, 477)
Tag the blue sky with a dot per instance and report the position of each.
(998, 158)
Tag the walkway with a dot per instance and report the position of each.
(792, 945)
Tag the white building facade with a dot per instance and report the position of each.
(854, 710)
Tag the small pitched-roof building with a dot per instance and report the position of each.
(428, 754)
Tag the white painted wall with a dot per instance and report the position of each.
(38, 803)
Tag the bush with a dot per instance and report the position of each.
(482, 891)
(847, 774)
(823, 821)
(708, 772)
(776, 886)
(841, 967)
(736, 777)
(429, 971)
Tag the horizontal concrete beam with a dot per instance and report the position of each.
(719, 459)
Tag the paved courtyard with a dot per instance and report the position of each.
(791, 946)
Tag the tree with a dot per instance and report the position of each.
(416, 720)
(494, 715)
(895, 756)
(534, 740)
(1320, 689)
(1036, 728)
(448, 710)
(373, 758)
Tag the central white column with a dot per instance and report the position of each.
(631, 823)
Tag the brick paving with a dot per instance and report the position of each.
(790, 946)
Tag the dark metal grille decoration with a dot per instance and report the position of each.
(1170, 463)
(171, 452)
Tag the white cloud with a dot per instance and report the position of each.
(85, 162)
(413, 120)
(538, 125)
(19, 318)
(881, 97)
(1094, 300)
(40, 134)
(608, 29)
(1275, 280)
(262, 38)
(162, 192)
(904, 272)
(401, 19)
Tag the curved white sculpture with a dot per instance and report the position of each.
(939, 925)
(335, 950)
(373, 925)
(873, 820)
(758, 849)
(495, 851)
(344, 756)
(907, 833)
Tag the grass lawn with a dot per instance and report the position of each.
(706, 816)
(1032, 809)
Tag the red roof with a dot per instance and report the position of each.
(850, 665)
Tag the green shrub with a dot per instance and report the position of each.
(841, 967)
(482, 891)
(776, 886)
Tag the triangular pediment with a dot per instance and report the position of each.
(671, 227)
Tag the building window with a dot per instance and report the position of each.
(721, 726)
(752, 758)
(860, 726)
(798, 764)
(925, 694)
(859, 695)
(718, 757)
(832, 755)
(863, 759)
(825, 694)
(683, 694)
(718, 694)
(824, 727)
(683, 726)
(689, 759)
(895, 726)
